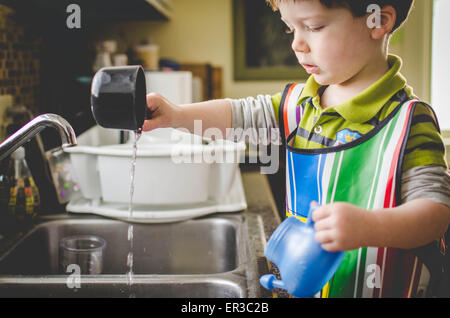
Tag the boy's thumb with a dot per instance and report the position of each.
(153, 101)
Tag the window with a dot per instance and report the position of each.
(440, 70)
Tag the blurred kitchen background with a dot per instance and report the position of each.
(46, 66)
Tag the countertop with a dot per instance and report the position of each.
(260, 201)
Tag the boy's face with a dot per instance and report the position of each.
(329, 43)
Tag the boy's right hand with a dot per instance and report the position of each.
(164, 113)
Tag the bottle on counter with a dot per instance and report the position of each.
(23, 198)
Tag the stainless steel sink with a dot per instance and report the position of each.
(201, 246)
(205, 257)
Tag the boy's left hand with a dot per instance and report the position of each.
(340, 226)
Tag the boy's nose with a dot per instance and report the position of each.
(299, 45)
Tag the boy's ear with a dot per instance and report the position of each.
(386, 22)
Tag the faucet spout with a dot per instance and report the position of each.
(32, 128)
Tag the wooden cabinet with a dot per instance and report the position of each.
(93, 12)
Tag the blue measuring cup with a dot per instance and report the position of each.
(305, 267)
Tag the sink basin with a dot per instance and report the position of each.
(205, 257)
(202, 246)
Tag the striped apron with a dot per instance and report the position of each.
(365, 172)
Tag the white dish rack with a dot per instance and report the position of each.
(178, 175)
(234, 201)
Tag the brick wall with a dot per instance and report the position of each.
(19, 60)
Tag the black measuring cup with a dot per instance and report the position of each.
(118, 97)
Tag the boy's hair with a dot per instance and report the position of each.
(359, 7)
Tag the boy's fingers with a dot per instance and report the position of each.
(320, 213)
(324, 237)
(330, 247)
(323, 224)
(151, 124)
(147, 126)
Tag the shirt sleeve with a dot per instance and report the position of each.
(425, 173)
(426, 182)
(276, 101)
(425, 145)
(254, 118)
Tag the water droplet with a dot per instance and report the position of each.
(130, 278)
(130, 232)
(130, 260)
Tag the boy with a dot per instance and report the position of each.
(357, 142)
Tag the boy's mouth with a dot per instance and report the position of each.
(310, 68)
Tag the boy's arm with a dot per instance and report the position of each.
(342, 226)
(253, 115)
(410, 225)
(212, 114)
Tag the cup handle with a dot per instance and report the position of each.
(312, 207)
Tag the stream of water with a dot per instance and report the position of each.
(129, 274)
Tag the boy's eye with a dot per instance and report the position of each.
(314, 29)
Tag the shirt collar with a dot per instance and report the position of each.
(368, 103)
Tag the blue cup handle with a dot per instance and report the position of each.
(309, 221)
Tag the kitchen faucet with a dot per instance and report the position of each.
(35, 126)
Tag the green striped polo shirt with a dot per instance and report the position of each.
(320, 128)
